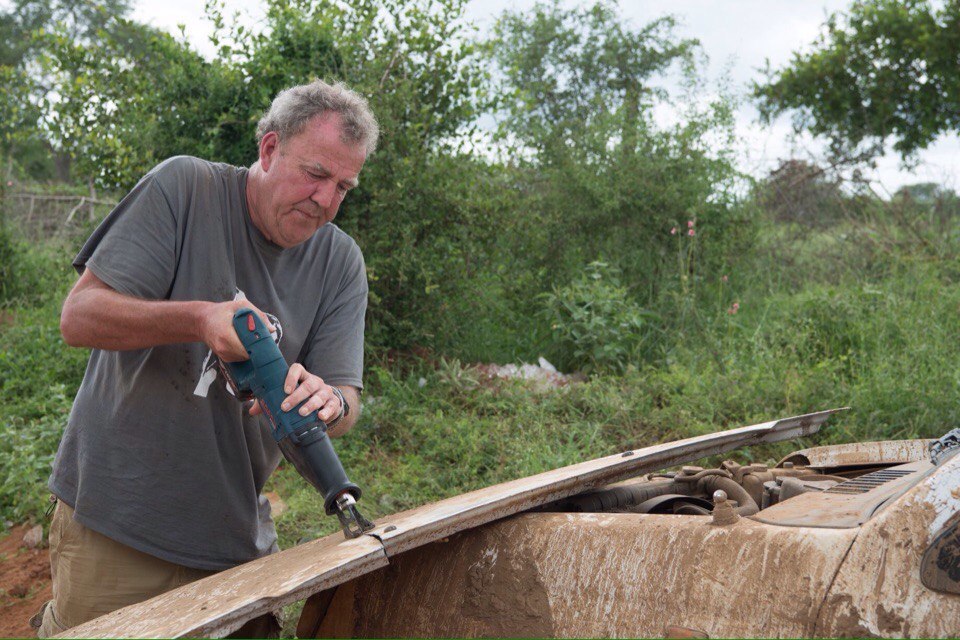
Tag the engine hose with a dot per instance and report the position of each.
(612, 498)
(696, 477)
(746, 506)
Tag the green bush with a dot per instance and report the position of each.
(597, 176)
(9, 259)
(26, 455)
(595, 325)
(29, 273)
(39, 377)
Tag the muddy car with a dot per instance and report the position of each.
(847, 540)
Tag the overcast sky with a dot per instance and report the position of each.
(737, 35)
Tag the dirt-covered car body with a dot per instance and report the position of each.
(855, 539)
(846, 540)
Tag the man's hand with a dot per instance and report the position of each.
(95, 315)
(216, 329)
(302, 385)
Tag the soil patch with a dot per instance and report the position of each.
(7, 318)
(24, 583)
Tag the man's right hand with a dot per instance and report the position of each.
(216, 328)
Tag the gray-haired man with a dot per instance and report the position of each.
(159, 472)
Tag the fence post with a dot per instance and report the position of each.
(93, 196)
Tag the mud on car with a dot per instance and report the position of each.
(857, 539)
(847, 540)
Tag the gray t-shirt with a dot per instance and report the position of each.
(157, 454)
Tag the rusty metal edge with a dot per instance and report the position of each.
(831, 455)
(224, 623)
(497, 502)
(230, 622)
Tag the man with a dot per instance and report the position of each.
(159, 473)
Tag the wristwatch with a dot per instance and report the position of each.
(344, 408)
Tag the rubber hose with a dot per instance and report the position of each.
(703, 474)
(746, 506)
(612, 498)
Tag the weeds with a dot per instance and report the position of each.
(595, 325)
(872, 329)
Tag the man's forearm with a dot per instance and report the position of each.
(352, 396)
(97, 316)
(103, 318)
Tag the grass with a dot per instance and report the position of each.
(870, 330)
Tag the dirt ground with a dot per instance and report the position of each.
(24, 584)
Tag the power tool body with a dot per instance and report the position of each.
(303, 440)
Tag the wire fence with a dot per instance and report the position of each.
(40, 216)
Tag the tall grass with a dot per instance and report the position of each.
(861, 313)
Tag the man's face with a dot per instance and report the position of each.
(304, 180)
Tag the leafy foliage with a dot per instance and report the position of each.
(39, 377)
(595, 324)
(572, 72)
(882, 70)
(800, 191)
(28, 274)
(606, 182)
(25, 85)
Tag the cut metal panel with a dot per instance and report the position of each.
(422, 525)
(221, 603)
(856, 454)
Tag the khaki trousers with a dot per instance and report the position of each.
(94, 575)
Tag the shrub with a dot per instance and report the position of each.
(595, 326)
(28, 272)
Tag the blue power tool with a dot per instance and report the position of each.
(302, 439)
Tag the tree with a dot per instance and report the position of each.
(798, 191)
(569, 72)
(24, 86)
(885, 70)
(580, 86)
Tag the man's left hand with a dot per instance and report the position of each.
(302, 385)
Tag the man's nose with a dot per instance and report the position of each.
(325, 194)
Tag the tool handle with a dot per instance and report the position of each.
(302, 439)
(264, 375)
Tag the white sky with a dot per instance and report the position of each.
(737, 35)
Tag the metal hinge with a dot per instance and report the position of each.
(941, 447)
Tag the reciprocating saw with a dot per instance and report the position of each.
(302, 439)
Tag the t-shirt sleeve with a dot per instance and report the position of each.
(336, 351)
(134, 249)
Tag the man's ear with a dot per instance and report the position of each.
(269, 149)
